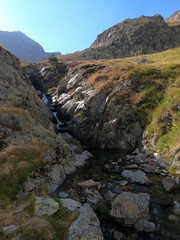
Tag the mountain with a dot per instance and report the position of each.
(143, 35)
(174, 19)
(23, 47)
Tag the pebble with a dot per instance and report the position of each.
(163, 174)
(123, 182)
(63, 195)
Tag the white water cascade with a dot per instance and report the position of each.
(59, 123)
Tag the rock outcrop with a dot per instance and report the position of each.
(96, 117)
(174, 19)
(23, 47)
(27, 135)
(86, 226)
(132, 37)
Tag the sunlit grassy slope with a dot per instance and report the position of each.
(152, 86)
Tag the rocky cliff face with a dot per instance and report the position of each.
(134, 37)
(23, 47)
(30, 151)
(97, 117)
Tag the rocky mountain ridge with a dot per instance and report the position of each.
(23, 47)
(133, 37)
(174, 19)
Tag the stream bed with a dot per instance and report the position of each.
(164, 208)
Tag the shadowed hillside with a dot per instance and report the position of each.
(23, 47)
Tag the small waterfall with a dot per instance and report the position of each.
(59, 123)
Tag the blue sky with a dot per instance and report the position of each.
(72, 25)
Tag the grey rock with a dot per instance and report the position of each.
(148, 168)
(81, 158)
(169, 184)
(157, 170)
(167, 119)
(119, 161)
(9, 229)
(70, 204)
(163, 164)
(128, 207)
(141, 60)
(109, 196)
(86, 226)
(145, 226)
(123, 182)
(136, 151)
(136, 177)
(45, 206)
(63, 195)
(119, 236)
(89, 183)
(93, 197)
(163, 174)
(132, 166)
(75, 144)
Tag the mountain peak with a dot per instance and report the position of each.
(23, 47)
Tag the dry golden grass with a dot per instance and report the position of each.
(11, 110)
(16, 163)
(37, 228)
(24, 64)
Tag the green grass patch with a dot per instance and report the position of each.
(169, 140)
(16, 163)
(30, 207)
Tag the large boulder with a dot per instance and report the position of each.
(86, 226)
(136, 177)
(129, 207)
